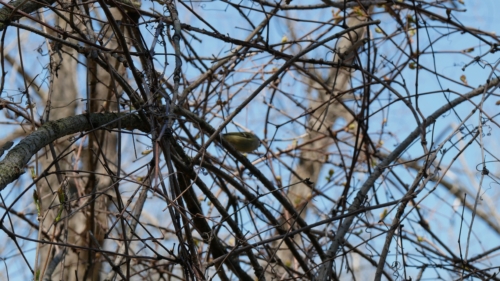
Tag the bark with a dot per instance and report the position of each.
(87, 199)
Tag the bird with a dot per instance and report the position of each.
(242, 141)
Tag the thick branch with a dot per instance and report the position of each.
(14, 163)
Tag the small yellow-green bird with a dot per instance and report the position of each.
(242, 141)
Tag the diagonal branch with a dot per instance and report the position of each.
(14, 163)
(360, 197)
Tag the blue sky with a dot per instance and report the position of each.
(448, 61)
